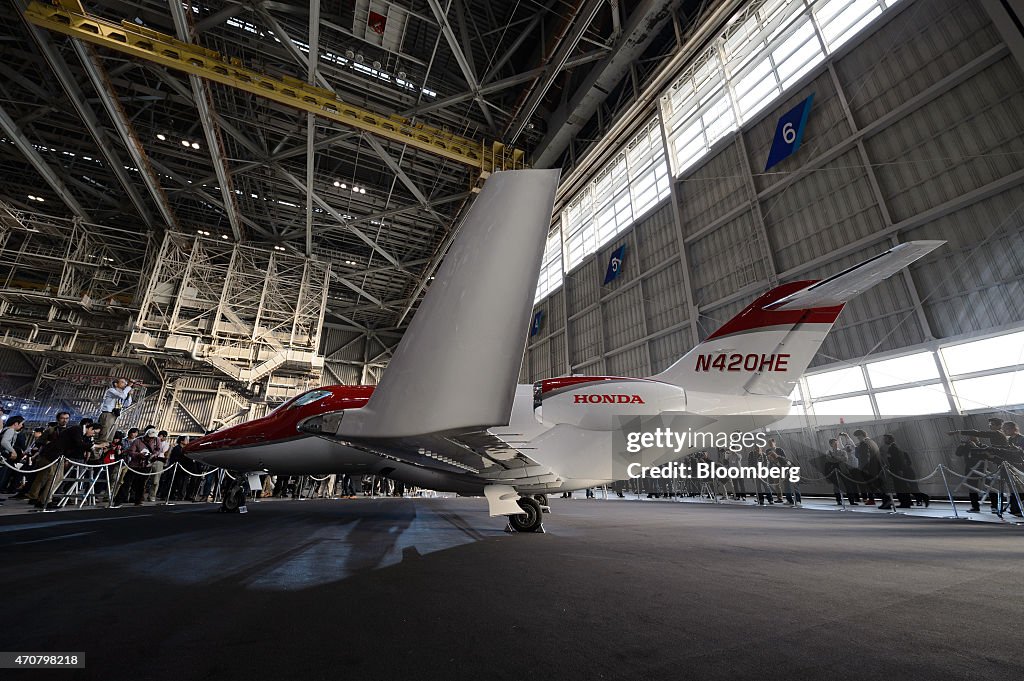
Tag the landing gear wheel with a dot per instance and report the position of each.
(530, 519)
(542, 499)
(234, 498)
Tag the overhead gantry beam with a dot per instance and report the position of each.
(144, 43)
(15, 134)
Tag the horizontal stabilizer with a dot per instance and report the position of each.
(457, 365)
(851, 282)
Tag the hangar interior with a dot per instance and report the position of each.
(229, 250)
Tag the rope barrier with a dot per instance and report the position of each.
(875, 477)
(927, 477)
(91, 465)
(138, 472)
(30, 470)
(194, 475)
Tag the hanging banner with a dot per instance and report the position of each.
(789, 132)
(377, 23)
(615, 264)
(538, 319)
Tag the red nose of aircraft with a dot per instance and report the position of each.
(283, 423)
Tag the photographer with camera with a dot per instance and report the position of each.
(116, 398)
(140, 456)
(999, 449)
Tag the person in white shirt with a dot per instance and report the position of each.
(8, 448)
(159, 461)
(116, 398)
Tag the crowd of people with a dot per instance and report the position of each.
(861, 472)
(33, 473)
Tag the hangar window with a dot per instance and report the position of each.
(648, 171)
(612, 209)
(918, 401)
(633, 182)
(551, 266)
(840, 20)
(838, 382)
(578, 229)
(985, 392)
(991, 353)
(697, 111)
(766, 48)
(987, 373)
(767, 52)
(850, 409)
(901, 370)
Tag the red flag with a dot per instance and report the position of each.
(376, 22)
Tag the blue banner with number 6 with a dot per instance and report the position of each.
(789, 132)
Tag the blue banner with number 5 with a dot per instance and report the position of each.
(614, 264)
(789, 132)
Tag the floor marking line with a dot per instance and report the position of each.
(56, 523)
(63, 536)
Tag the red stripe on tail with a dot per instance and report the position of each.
(755, 316)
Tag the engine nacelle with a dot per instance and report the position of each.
(603, 402)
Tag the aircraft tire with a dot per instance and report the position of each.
(542, 499)
(528, 521)
(233, 499)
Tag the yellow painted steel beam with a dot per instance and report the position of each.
(68, 17)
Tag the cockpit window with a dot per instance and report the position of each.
(309, 398)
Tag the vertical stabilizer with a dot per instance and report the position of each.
(765, 348)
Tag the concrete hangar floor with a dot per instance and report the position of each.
(432, 588)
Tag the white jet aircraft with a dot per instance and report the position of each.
(448, 414)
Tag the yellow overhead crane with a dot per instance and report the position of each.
(69, 17)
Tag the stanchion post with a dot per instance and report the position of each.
(55, 480)
(949, 494)
(1013, 486)
(170, 488)
(839, 489)
(110, 488)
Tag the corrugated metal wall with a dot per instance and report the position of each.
(916, 132)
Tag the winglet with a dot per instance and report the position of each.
(457, 366)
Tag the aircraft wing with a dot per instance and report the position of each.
(477, 454)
